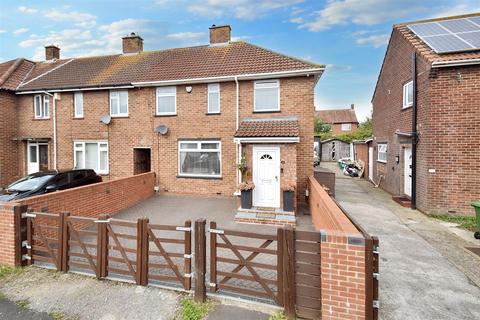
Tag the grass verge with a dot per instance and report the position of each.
(191, 310)
(7, 271)
(467, 223)
(278, 316)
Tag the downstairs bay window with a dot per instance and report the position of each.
(91, 155)
(199, 159)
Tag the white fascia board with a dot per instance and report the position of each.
(454, 63)
(267, 140)
(76, 89)
(253, 76)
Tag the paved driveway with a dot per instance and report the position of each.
(420, 261)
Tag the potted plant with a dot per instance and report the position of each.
(246, 191)
(242, 167)
(288, 196)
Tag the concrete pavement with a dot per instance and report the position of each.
(9, 310)
(420, 260)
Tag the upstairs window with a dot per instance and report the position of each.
(214, 98)
(42, 106)
(346, 126)
(119, 103)
(382, 152)
(266, 96)
(78, 104)
(408, 94)
(166, 101)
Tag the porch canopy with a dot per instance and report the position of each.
(273, 129)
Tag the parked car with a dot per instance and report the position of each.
(49, 181)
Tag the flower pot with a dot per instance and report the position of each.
(288, 200)
(246, 199)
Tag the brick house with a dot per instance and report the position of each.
(440, 93)
(341, 120)
(188, 114)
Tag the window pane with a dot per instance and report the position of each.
(123, 102)
(213, 87)
(266, 84)
(166, 90)
(200, 163)
(113, 103)
(166, 104)
(266, 99)
(410, 93)
(207, 146)
(91, 156)
(79, 159)
(213, 102)
(38, 106)
(78, 104)
(103, 160)
(188, 145)
(46, 106)
(33, 153)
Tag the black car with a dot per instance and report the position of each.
(48, 181)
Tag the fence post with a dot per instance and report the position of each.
(280, 241)
(102, 247)
(61, 223)
(213, 258)
(200, 260)
(289, 272)
(188, 252)
(65, 238)
(29, 239)
(139, 266)
(20, 234)
(145, 251)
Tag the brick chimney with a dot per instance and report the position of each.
(132, 43)
(220, 34)
(52, 52)
(352, 106)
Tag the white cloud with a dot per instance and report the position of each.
(27, 9)
(80, 19)
(298, 20)
(187, 35)
(375, 40)
(2, 31)
(337, 68)
(446, 11)
(241, 9)
(20, 31)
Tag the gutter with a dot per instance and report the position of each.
(78, 89)
(455, 63)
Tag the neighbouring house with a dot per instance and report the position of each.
(341, 120)
(426, 115)
(188, 114)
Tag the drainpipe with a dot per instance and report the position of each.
(238, 146)
(413, 205)
(54, 120)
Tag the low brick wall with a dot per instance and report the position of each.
(344, 269)
(107, 197)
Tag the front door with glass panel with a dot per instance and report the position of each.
(37, 156)
(266, 176)
(407, 156)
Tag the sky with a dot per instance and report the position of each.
(348, 36)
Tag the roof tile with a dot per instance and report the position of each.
(268, 127)
(337, 115)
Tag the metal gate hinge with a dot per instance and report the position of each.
(188, 256)
(376, 304)
(217, 231)
(213, 285)
(188, 275)
(26, 257)
(26, 245)
(188, 229)
(376, 275)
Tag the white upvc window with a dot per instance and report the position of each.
(91, 155)
(119, 103)
(166, 101)
(78, 104)
(408, 94)
(346, 126)
(266, 95)
(41, 106)
(200, 159)
(382, 152)
(214, 98)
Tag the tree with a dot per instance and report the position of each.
(321, 126)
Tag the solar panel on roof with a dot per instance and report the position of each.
(450, 35)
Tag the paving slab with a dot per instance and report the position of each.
(223, 312)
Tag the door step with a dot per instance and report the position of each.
(404, 201)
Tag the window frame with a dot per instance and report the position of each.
(117, 94)
(75, 114)
(255, 95)
(99, 151)
(44, 107)
(406, 103)
(157, 95)
(199, 149)
(383, 152)
(210, 85)
(349, 127)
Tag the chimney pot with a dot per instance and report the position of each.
(52, 52)
(132, 43)
(220, 34)
(352, 106)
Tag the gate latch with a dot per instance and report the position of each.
(376, 304)
(102, 221)
(217, 231)
(187, 229)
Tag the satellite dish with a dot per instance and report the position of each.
(106, 119)
(162, 129)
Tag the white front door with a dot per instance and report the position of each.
(266, 176)
(370, 163)
(37, 157)
(407, 158)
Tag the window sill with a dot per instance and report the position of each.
(40, 119)
(199, 177)
(407, 107)
(78, 118)
(166, 115)
(120, 117)
(381, 161)
(266, 111)
(213, 113)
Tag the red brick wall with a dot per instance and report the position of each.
(337, 128)
(107, 197)
(191, 122)
(7, 232)
(8, 131)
